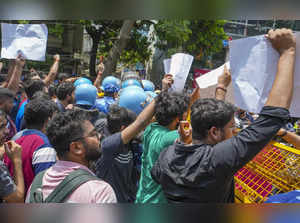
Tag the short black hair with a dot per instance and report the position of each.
(117, 117)
(169, 105)
(64, 128)
(6, 93)
(64, 89)
(41, 95)
(209, 112)
(38, 111)
(32, 86)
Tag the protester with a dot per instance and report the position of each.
(66, 95)
(116, 165)
(31, 87)
(203, 171)
(77, 143)
(170, 108)
(10, 191)
(37, 153)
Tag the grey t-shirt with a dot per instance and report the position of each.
(7, 185)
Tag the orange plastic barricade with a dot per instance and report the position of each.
(276, 169)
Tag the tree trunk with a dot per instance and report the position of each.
(118, 47)
(93, 55)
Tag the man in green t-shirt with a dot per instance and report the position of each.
(170, 109)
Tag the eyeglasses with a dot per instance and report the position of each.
(93, 133)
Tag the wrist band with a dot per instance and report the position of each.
(224, 89)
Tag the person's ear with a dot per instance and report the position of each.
(76, 148)
(214, 134)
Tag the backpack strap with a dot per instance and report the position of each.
(36, 195)
(69, 185)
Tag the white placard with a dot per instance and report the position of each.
(180, 66)
(253, 67)
(28, 39)
(211, 78)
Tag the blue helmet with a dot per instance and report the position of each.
(134, 98)
(131, 82)
(110, 84)
(148, 85)
(151, 93)
(85, 94)
(82, 80)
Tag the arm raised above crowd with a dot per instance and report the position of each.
(223, 82)
(283, 40)
(53, 71)
(139, 124)
(13, 82)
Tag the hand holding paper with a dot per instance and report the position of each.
(225, 79)
(254, 64)
(211, 78)
(178, 66)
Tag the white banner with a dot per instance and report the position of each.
(30, 40)
(253, 67)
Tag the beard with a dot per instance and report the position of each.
(93, 153)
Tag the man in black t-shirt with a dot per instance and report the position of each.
(116, 166)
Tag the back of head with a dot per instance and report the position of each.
(33, 86)
(170, 105)
(85, 94)
(64, 89)
(41, 95)
(209, 112)
(65, 128)
(115, 118)
(38, 112)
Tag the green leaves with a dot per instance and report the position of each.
(191, 36)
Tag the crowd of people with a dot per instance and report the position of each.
(68, 139)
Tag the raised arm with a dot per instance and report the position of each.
(281, 93)
(53, 71)
(223, 82)
(13, 83)
(139, 124)
(99, 75)
(240, 149)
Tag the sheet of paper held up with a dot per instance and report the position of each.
(28, 39)
(211, 78)
(180, 66)
(167, 65)
(253, 67)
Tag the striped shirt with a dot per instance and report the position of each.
(37, 154)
